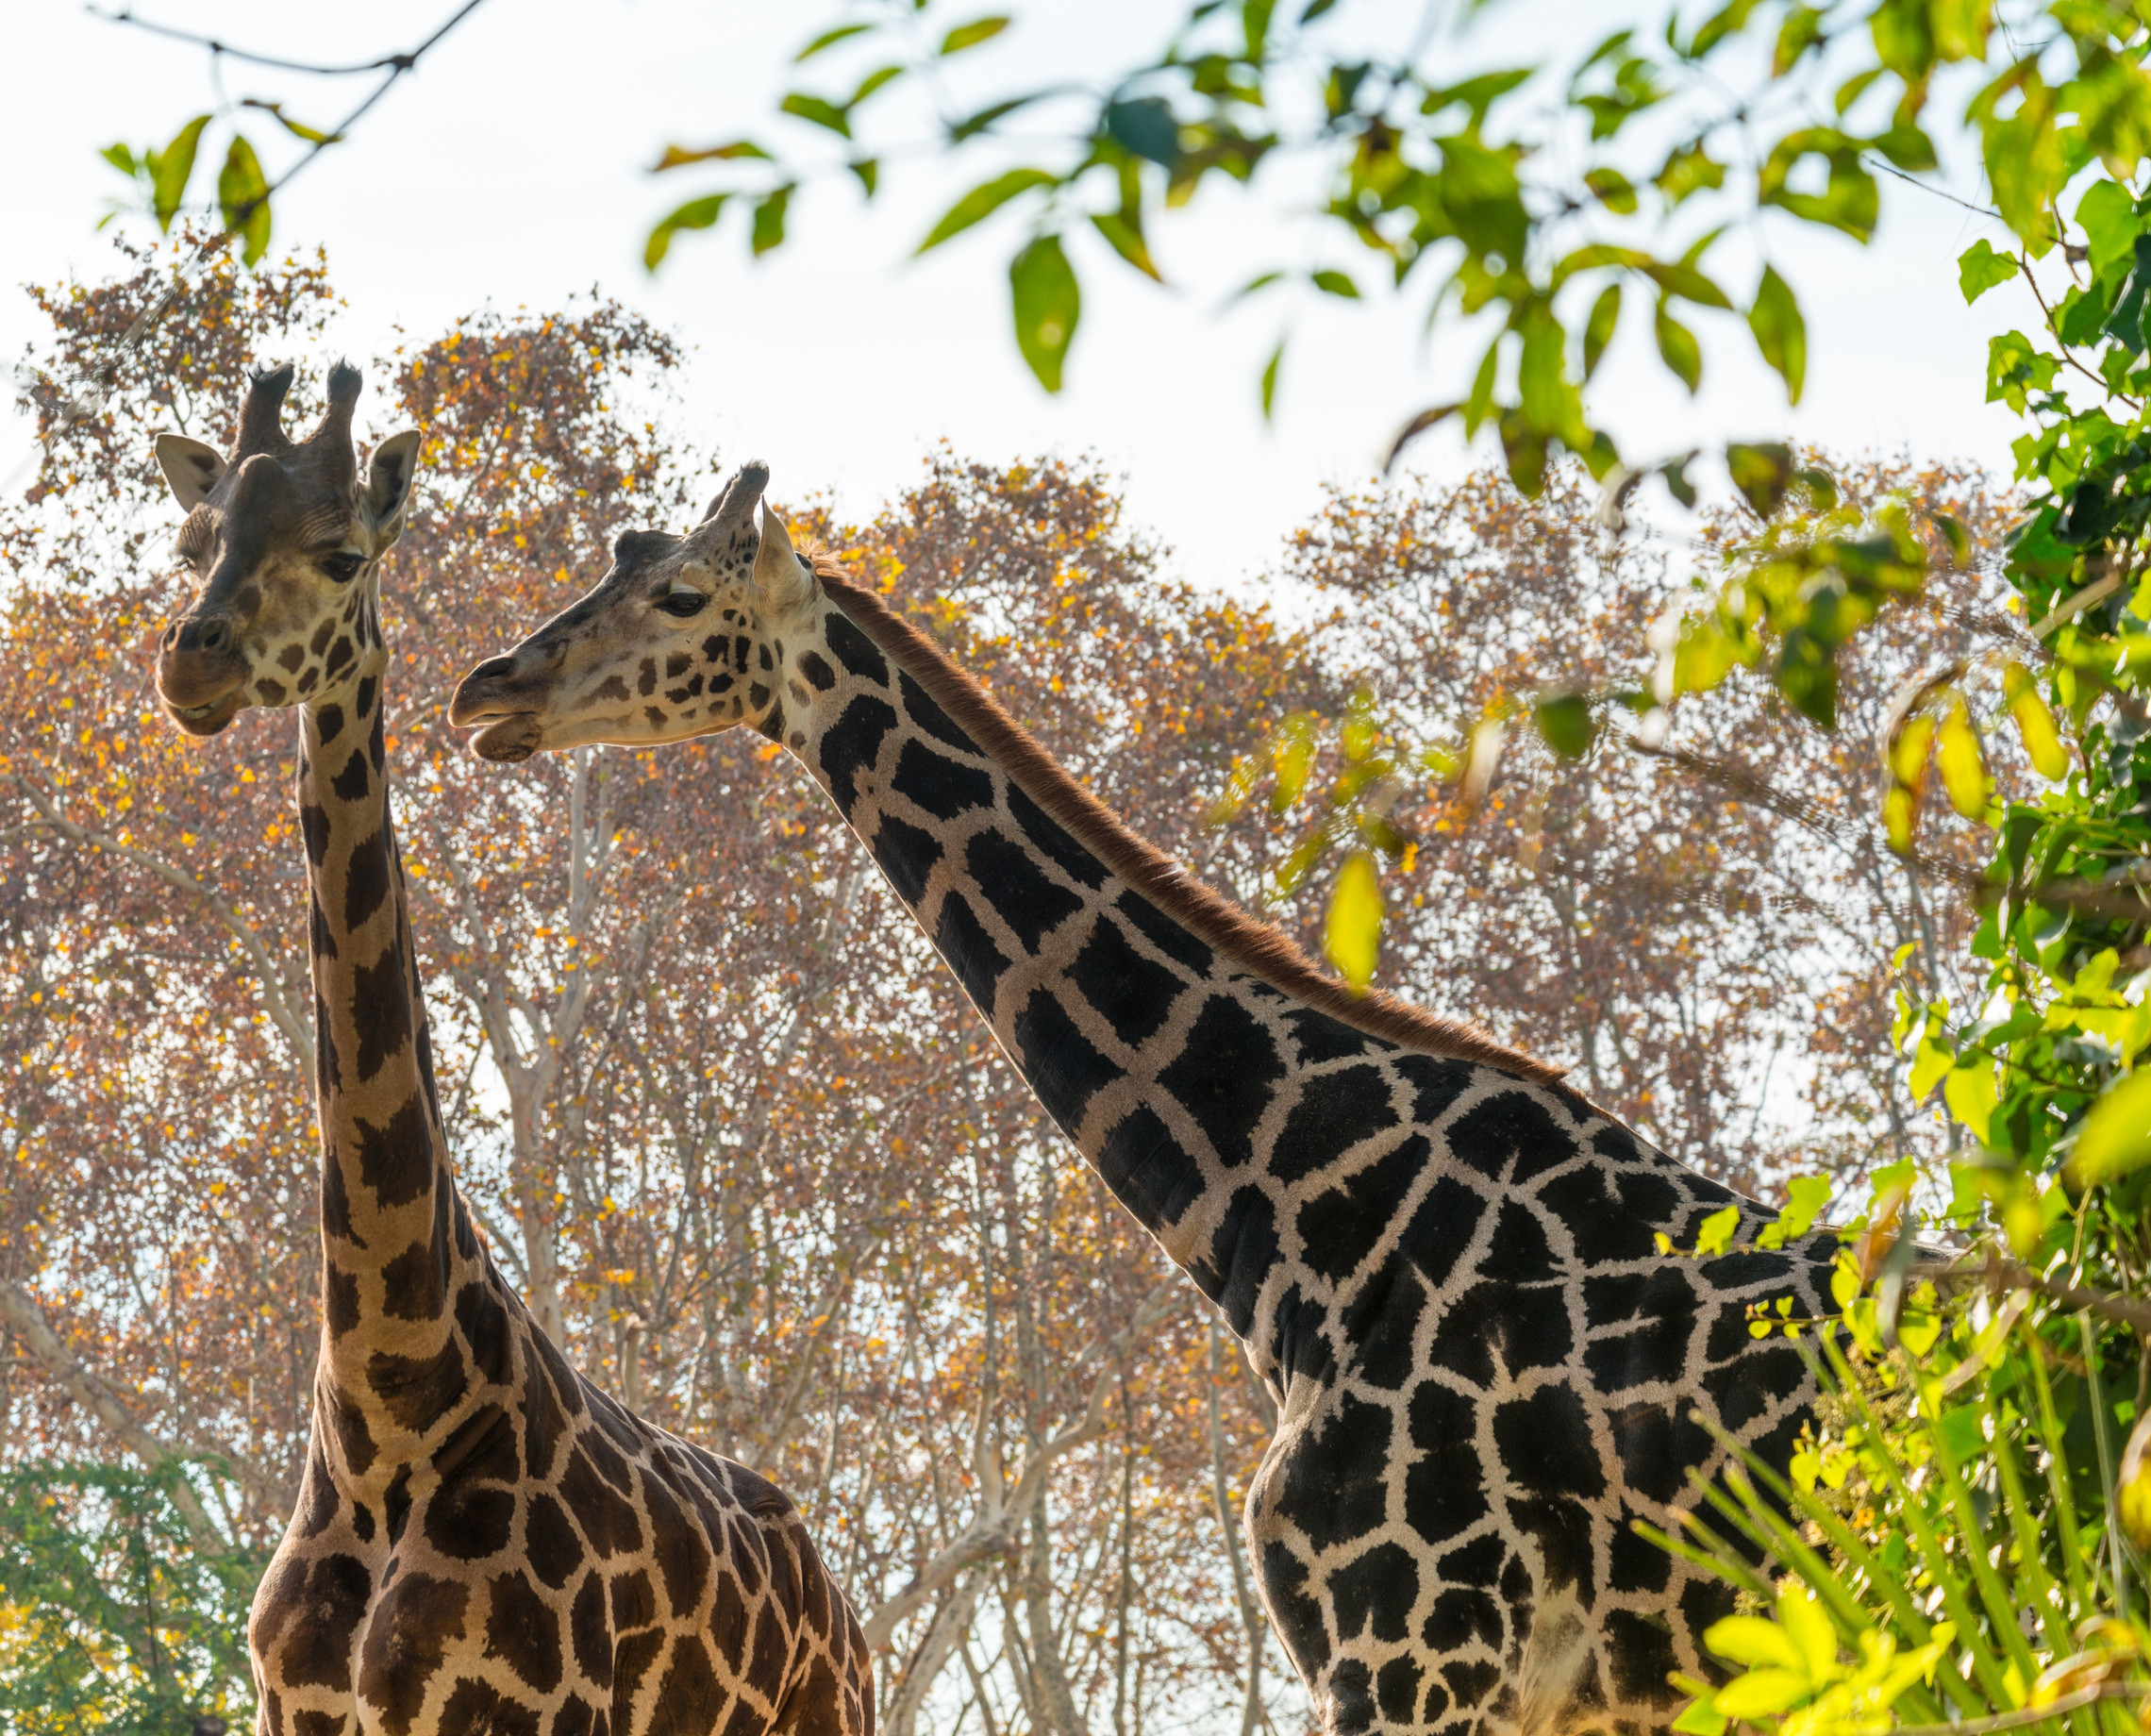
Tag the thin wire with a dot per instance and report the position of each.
(95, 387)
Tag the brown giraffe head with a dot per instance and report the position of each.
(284, 537)
(680, 638)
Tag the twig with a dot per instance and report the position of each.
(95, 386)
(2030, 1715)
(1998, 1272)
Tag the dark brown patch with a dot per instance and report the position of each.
(590, 1632)
(522, 1628)
(1254, 946)
(417, 1620)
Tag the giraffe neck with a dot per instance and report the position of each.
(1160, 1050)
(397, 1248)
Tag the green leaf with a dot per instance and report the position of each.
(971, 35)
(1684, 280)
(2107, 215)
(983, 120)
(1336, 283)
(1713, 1236)
(2117, 1135)
(1565, 724)
(1352, 932)
(983, 200)
(1126, 240)
(828, 38)
(1677, 345)
(818, 109)
(124, 159)
(1598, 329)
(872, 82)
(171, 167)
(1147, 126)
(243, 196)
(1689, 171)
(695, 214)
(298, 130)
(1269, 379)
(1979, 268)
(1780, 332)
(1849, 200)
(769, 219)
(1762, 472)
(1550, 400)
(868, 169)
(1047, 302)
(1970, 1092)
(1613, 190)
(679, 155)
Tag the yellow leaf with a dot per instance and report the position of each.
(1907, 753)
(2035, 724)
(1971, 1093)
(2116, 1135)
(1934, 1058)
(1803, 1619)
(1352, 934)
(1752, 1641)
(1963, 771)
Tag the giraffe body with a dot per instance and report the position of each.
(1441, 1259)
(484, 1540)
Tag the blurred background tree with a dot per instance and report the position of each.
(721, 1115)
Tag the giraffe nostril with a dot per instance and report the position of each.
(216, 638)
(492, 670)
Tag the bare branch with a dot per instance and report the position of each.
(26, 1320)
(290, 1024)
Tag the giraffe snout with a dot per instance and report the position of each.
(201, 674)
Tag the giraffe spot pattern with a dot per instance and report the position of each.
(1450, 1274)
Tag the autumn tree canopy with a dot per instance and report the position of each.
(726, 1122)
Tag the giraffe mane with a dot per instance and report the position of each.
(1223, 925)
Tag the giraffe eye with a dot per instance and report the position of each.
(683, 603)
(342, 567)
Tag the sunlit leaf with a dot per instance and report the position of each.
(1336, 283)
(818, 109)
(243, 197)
(1598, 329)
(677, 156)
(1269, 379)
(298, 130)
(695, 214)
(2035, 722)
(971, 35)
(171, 167)
(769, 219)
(1780, 332)
(1352, 931)
(2117, 1135)
(1678, 346)
(1715, 1234)
(1979, 268)
(1046, 303)
(828, 38)
(983, 200)
(1962, 766)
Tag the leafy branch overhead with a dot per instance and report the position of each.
(1533, 203)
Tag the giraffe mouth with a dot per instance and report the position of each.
(207, 719)
(507, 740)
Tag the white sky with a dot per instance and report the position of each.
(511, 166)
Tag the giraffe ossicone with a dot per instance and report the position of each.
(1443, 1262)
(484, 1540)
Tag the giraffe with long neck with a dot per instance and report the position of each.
(484, 1540)
(1444, 1263)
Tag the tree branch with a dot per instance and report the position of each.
(298, 1038)
(995, 1533)
(26, 1320)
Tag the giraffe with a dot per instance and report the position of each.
(1442, 1261)
(484, 1540)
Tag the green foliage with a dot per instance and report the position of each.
(111, 1618)
(1458, 185)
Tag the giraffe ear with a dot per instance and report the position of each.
(783, 579)
(388, 477)
(190, 468)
